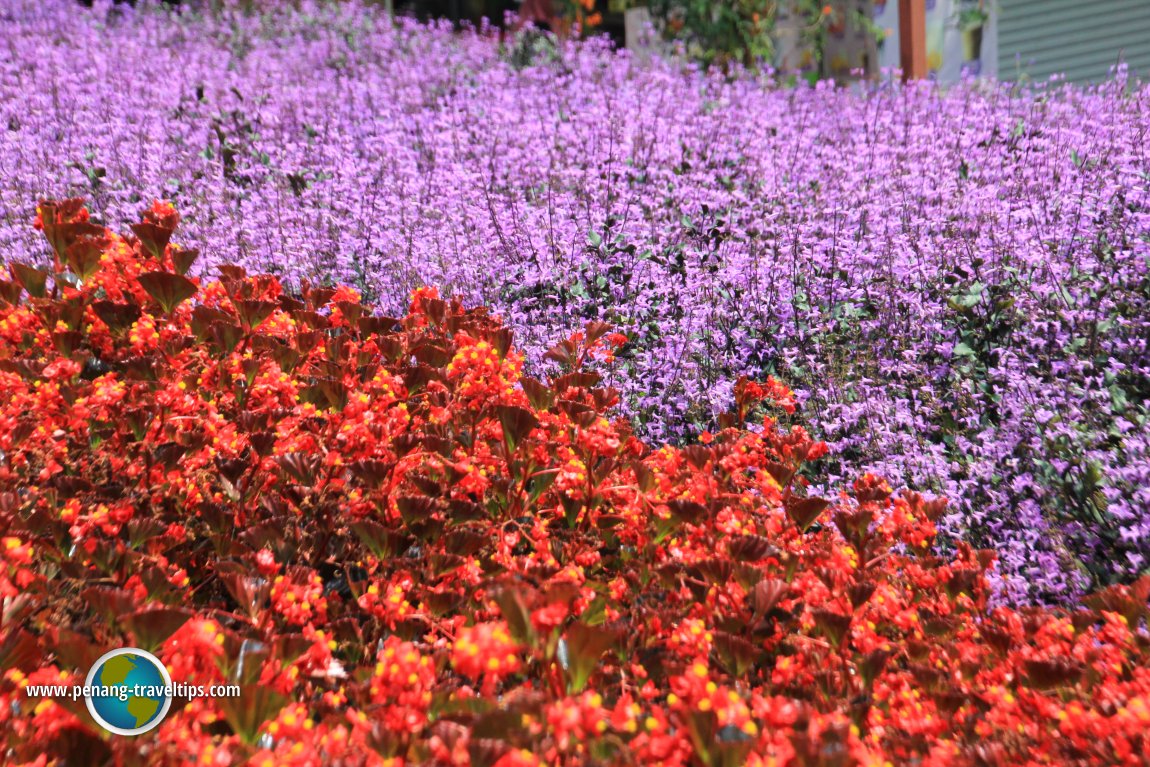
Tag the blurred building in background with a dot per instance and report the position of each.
(1025, 39)
(1008, 39)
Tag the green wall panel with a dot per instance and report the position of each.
(1083, 40)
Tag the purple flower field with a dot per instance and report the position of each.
(956, 282)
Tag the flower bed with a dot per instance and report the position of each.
(407, 552)
(955, 282)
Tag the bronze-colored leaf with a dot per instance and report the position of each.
(575, 380)
(1128, 601)
(501, 341)
(461, 510)
(169, 290)
(441, 602)
(253, 313)
(595, 330)
(643, 476)
(872, 665)
(513, 601)
(432, 355)
(859, 593)
(832, 625)
(168, 454)
(351, 311)
(118, 317)
(1084, 619)
(378, 326)
(767, 594)
(144, 529)
(76, 650)
(937, 626)
(312, 320)
(716, 571)
(183, 258)
(687, 511)
(750, 548)
(203, 317)
(804, 511)
(10, 291)
(67, 341)
(300, 466)
(111, 603)
(286, 357)
(464, 542)
(415, 507)
(485, 752)
(154, 237)
(517, 423)
(247, 712)
(152, 627)
(1053, 673)
(585, 645)
(383, 543)
(19, 649)
(562, 352)
(853, 523)
(371, 472)
(927, 677)
(540, 397)
(539, 483)
(734, 652)
(697, 455)
(83, 257)
(62, 235)
(232, 273)
(249, 591)
(780, 473)
(962, 581)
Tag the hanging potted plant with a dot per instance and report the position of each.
(971, 21)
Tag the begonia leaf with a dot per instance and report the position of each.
(169, 290)
(151, 627)
(804, 511)
(585, 646)
(250, 710)
(30, 278)
(517, 423)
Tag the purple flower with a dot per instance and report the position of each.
(954, 279)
